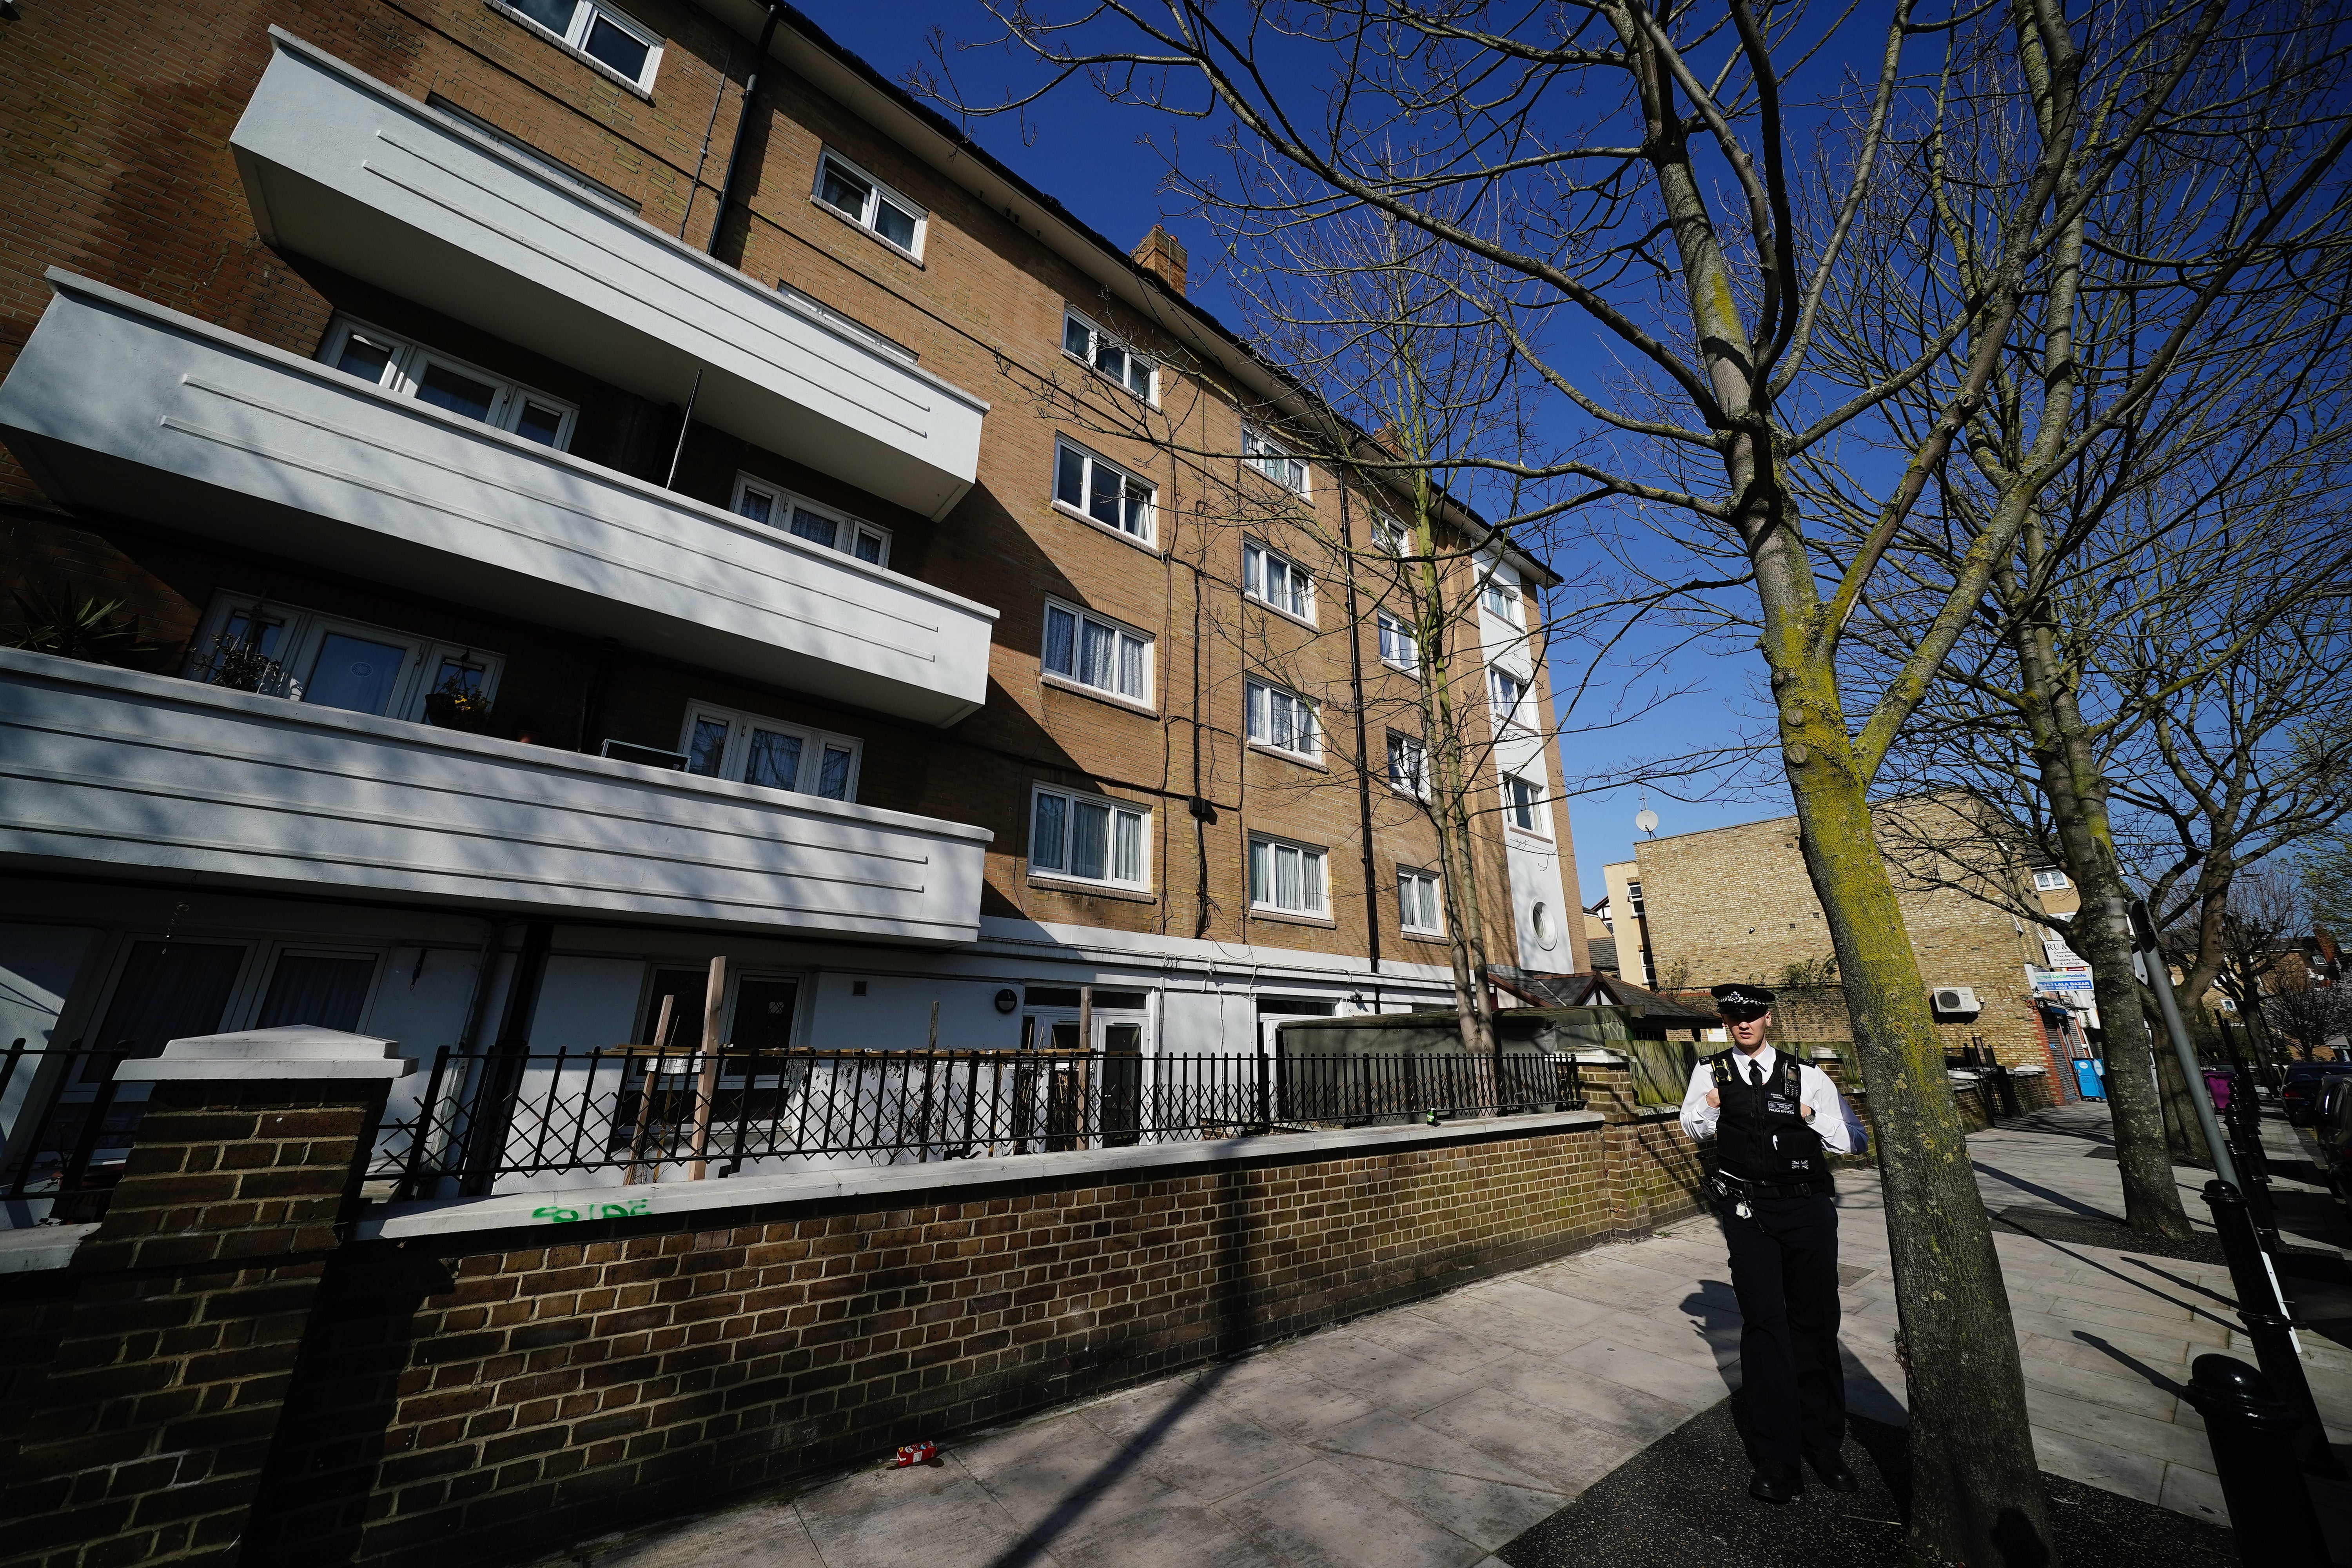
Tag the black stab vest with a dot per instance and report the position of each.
(1759, 1134)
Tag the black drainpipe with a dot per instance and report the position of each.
(742, 125)
(1363, 758)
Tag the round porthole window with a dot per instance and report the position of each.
(1546, 937)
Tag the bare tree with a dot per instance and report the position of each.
(1600, 134)
(2260, 931)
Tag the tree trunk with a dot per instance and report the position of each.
(1978, 1494)
(2183, 1133)
(2076, 791)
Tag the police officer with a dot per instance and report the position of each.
(1775, 1121)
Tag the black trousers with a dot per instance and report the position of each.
(1784, 1269)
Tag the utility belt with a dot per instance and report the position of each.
(1734, 1189)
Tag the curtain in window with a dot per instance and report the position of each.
(757, 505)
(1130, 665)
(1261, 870)
(169, 990)
(1126, 857)
(833, 775)
(775, 760)
(1310, 882)
(1098, 648)
(816, 529)
(1089, 840)
(1045, 833)
(325, 989)
(1061, 636)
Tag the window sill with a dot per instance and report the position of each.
(583, 56)
(1489, 610)
(1289, 917)
(1262, 749)
(1435, 938)
(1412, 669)
(1080, 688)
(1066, 509)
(892, 246)
(1291, 616)
(1535, 840)
(1046, 882)
(1418, 796)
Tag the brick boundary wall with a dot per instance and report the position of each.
(474, 1382)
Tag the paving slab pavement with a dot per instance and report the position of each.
(1435, 1433)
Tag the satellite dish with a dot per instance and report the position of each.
(1646, 820)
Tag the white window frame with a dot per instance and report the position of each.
(1428, 887)
(1054, 863)
(1097, 340)
(407, 361)
(1090, 465)
(1276, 461)
(302, 632)
(1506, 712)
(1501, 597)
(809, 305)
(573, 39)
(1121, 636)
(877, 192)
(1264, 705)
(1533, 805)
(735, 749)
(848, 530)
(1395, 633)
(2050, 879)
(1414, 752)
(1257, 564)
(1275, 848)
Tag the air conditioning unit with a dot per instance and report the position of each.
(1955, 999)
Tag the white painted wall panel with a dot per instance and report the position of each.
(108, 767)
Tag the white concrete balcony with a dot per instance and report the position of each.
(122, 406)
(338, 166)
(110, 771)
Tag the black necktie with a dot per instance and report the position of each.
(1754, 1076)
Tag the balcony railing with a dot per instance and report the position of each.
(107, 769)
(626, 1117)
(341, 167)
(122, 406)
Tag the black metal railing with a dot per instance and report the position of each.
(479, 1118)
(66, 1131)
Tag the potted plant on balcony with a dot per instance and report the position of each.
(239, 664)
(76, 625)
(458, 703)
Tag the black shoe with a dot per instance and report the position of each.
(1831, 1469)
(1776, 1483)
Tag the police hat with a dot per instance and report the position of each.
(1741, 999)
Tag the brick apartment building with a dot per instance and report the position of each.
(559, 573)
(1737, 903)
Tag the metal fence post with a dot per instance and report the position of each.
(2253, 1434)
(2267, 1325)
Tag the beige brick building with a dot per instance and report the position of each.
(1736, 903)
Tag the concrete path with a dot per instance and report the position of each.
(1435, 1434)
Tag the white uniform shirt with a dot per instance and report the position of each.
(1840, 1133)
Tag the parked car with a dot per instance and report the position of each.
(2300, 1095)
(2332, 1123)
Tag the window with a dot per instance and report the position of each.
(1388, 535)
(787, 513)
(327, 988)
(1273, 460)
(1408, 764)
(1097, 653)
(849, 326)
(1417, 901)
(1282, 719)
(1090, 345)
(383, 359)
(1398, 650)
(1509, 692)
(281, 650)
(593, 29)
(2050, 881)
(1522, 803)
(1102, 491)
(1274, 579)
(1500, 596)
(1087, 838)
(1633, 898)
(870, 205)
(720, 743)
(1286, 877)
(524, 150)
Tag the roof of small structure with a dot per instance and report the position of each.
(1597, 990)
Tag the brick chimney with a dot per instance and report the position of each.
(1162, 253)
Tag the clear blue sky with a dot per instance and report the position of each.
(1099, 160)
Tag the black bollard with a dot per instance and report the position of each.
(2252, 1433)
(2267, 1325)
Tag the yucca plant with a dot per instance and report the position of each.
(76, 625)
